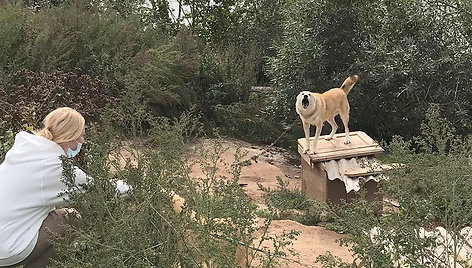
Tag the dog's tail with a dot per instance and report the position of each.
(349, 83)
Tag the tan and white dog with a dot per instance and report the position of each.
(315, 109)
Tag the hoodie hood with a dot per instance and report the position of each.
(29, 147)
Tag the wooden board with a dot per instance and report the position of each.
(371, 170)
(367, 171)
(361, 145)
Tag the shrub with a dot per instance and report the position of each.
(224, 77)
(160, 76)
(254, 120)
(431, 190)
(292, 204)
(7, 139)
(13, 36)
(403, 66)
(27, 97)
(141, 228)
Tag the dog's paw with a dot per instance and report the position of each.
(347, 141)
(328, 138)
(306, 150)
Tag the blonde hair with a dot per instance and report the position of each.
(62, 125)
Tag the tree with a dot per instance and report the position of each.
(407, 53)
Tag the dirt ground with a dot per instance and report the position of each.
(313, 240)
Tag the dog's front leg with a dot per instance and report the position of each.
(306, 128)
(317, 136)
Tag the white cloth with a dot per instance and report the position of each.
(22, 255)
(30, 184)
(336, 168)
(122, 186)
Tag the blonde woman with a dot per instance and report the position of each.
(30, 183)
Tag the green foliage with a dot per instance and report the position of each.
(329, 261)
(149, 68)
(155, 75)
(403, 65)
(141, 228)
(76, 36)
(28, 97)
(41, 4)
(258, 120)
(221, 21)
(437, 175)
(248, 26)
(431, 190)
(137, 61)
(6, 141)
(284, 198)
(437, 134)
(223, 78)
(213, 19)
(291, 204)
(13, 29)
(70, 36)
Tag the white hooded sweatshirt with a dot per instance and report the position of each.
(30, 184)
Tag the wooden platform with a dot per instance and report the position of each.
(361, 145)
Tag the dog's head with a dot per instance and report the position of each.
(304, 99)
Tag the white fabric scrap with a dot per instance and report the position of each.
(122, 186)
(336, 169)
(451, 249)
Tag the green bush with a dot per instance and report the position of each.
(248, 26)
(71, 36)
(254, 120)
(224, 77)
(149, 71)
(27, 97)
(432, 190)
(13, 36)
(141, 229)
(402, 64)
(291, 204)
(7, 139)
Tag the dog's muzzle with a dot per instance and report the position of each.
(305, 102)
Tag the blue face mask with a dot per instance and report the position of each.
(72, 153)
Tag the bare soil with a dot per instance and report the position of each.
(276, 162)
